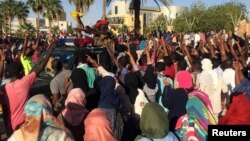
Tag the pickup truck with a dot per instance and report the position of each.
(69, 57)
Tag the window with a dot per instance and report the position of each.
(144, 19)
(177, 14)
(116, 10)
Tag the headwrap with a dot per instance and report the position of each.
(150, 77)
(40, 124)
(131, 82)
(97, 127)
(79, 79)
(75, 110)
(184, 79)
(154, 122)
(199, 115)
(207, 66)
(243, 87)
(109, 97)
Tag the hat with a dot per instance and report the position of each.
(206, 64)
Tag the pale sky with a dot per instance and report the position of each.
(95, 10)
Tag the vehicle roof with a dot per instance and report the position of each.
(85, 50)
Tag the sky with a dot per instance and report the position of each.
(95, 10)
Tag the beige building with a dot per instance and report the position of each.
(62, 24)
(121, 14)
(44, 24)
(243, 27)
(15, 24)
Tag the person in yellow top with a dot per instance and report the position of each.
(26, 56)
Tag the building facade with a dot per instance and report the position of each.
(44, 24)
(122, 14)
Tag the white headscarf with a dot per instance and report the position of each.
(207, 66)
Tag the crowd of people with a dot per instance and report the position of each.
(172, 90)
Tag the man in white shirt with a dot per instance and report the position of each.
(228, 75)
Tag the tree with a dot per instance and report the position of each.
(123, 29)
(160, 23)
(70, 30)
(1, 24)
(26, 27)
(11, 9)
(22, 11)
(104, 2)
(136, 6)
(37, 6)
(213, 18)
(55, 30)
(81, 6)
(53, 10)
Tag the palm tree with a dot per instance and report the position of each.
(53, 10)
(22, 11)
(8, 12)
(81, 6)
(11, 9)
(26, 27)
(104, 5)
(37, 6)
(1, 23)
(136, 6)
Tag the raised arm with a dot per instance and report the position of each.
(164, 47)
(132, 61)
(25, 43)
(187, 53)
(37, 42)
(42, 65)
(2, 58)
(238, 72)
(233, 51)
(211, 49)
(222, 49)
(111, 55)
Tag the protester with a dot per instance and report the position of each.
(155, 124)
(74, 113)
(97, 127)
(212, 84)
(176, 99)
(39, 123)
(90, 72)
(16, 93)
(194, 125)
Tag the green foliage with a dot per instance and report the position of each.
(55, 30)
(214, 18)
(11, 9)
(70, 30)
(82, 5)
(26, 27)
(160, 23)
(123, 29)
(53, 9)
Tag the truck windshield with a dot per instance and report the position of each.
(67, 58)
